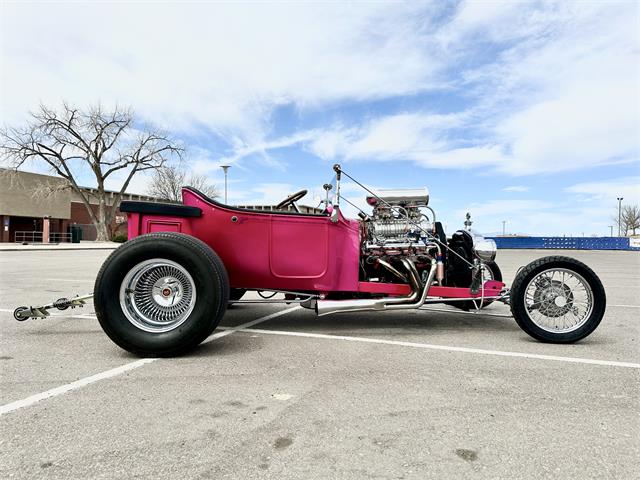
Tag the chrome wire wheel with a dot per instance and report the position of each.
(157, 295)
(558, 300)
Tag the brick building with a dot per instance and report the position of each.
(28, 201)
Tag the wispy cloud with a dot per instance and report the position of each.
(608, 191)
(516, 188)
(224, 67)
(542, 104)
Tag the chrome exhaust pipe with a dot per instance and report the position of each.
(415, 300)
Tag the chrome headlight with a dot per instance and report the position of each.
(484, 248)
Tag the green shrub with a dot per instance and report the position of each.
(120, 238)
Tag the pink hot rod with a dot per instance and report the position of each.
(165, 290)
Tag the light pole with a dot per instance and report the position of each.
(503, 227)
(619, 215)
(225, 168)
(611, 228)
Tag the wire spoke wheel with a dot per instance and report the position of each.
(157, 295)
(559, 300)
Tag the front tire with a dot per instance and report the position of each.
(557, 300)
(161, 294)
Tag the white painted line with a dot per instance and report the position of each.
(624, 306)
(89, 316)
(229, 330)
(54, 392)
(75, 280)
(446, 348)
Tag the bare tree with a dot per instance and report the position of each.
(168, 181)
(72, 139)
(630, 218)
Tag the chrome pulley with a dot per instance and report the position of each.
(157, 295)
(559, 300)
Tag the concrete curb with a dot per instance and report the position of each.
(51, 249)
(58, 248)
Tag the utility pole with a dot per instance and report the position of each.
(620, 216)
(225, 168)
(611, 228)
(503, 227)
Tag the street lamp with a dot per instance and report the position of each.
(620, 216)
(225, 168)
(503, 227)
(611, 228)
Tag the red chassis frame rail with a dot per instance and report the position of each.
(492, 288)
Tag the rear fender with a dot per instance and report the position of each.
(147, 217)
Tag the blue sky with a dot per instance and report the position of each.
(526, 112)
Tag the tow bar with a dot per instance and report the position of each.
(25, 313)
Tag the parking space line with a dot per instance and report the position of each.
(480, 351)
(54, 392)
(229, 330)
(86, 316)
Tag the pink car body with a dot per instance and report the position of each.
(279, 250)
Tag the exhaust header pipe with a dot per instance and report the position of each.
(415, 300)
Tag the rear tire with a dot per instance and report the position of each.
(557, 300)
(161, 294)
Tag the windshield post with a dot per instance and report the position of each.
(336, 207)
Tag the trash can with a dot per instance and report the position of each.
(76, 233)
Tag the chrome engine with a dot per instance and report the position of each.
(397, 219)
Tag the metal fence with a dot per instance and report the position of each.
(37, 237)
(569, 243)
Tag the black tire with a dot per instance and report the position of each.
(521, 313)
(211, 294)
(496, 274)
(18, 311)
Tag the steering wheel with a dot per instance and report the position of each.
(291, 200)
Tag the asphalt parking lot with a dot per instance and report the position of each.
(410, 395)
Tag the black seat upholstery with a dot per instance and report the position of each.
(248, 210)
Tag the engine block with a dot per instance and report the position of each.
(397, 220)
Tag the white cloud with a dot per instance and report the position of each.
(608, 191)
(589, 208)
(545, 87)
(563, 97)
(406, 136)
(574, 86)
(535, 217)
(221, 66)
(516, 188)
